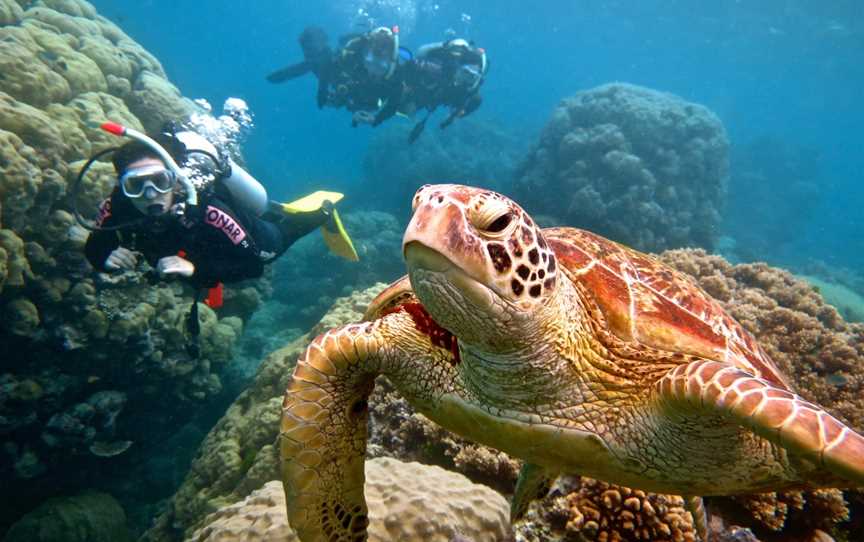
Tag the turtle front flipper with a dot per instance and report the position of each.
(323, 435)
(325, 415)
(777, 415)
(534, 482)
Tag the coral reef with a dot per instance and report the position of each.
(87, 517)
(588, 510)
(89, 363)
(239, 455)
(642, 167)
(407, 501)
(396, 430)
(471, 151)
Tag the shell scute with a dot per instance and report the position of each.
(651, 304)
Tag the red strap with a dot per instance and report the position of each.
(214, 297)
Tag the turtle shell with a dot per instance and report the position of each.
(645, 302)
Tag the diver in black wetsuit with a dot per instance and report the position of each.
(375, 78)
(225, 233)
(230, 234)
(363, 75)
(317, 59)
(446, 74)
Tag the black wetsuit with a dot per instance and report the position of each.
(225, 243)
(350, 85)
(429, 83)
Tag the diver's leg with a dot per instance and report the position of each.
(293, 226)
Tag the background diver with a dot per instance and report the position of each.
(448, 74)
(225, 232)
(317, 59)
(364, 75)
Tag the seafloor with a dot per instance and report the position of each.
(112, 431)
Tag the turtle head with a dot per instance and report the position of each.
(478, 263)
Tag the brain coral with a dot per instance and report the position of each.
(87, 517)
(407, 501)
(642, 167)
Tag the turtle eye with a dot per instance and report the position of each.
(491, 216)
(499, 224)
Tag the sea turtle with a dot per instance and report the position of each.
(559, 347)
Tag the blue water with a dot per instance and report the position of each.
(789, 70)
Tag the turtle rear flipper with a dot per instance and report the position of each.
(777, 415)
(534, 482)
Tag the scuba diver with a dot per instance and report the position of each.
(224, 232)
(447, 73)
(362, 75)
(367, 82)
(317, 59)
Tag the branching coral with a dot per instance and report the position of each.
(600, 512)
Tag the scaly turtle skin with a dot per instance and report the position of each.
(562, 348)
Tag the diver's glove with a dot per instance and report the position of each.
(362, 117)
(175, 265)
(121, 259)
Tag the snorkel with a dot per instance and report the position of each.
(120, 130)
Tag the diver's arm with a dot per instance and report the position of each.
(101, 243)
(290, 72)
(469, 106)
(472, 104)
(99, 246)
(391, 105)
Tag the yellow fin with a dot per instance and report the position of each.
(336, 238)
(312, 202)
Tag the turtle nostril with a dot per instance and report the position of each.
(499, 223)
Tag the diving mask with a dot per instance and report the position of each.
(135, 181)
(467, 76)
(375, 65)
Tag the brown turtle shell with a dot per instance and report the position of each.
(645, 302)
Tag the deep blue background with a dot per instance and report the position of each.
(792, 70)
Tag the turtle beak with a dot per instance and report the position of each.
(419, 255)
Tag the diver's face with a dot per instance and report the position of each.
(151, 202)
(377, 60)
